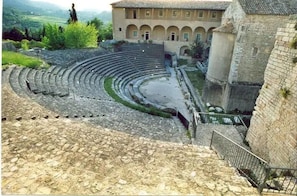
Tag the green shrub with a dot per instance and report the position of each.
(54, 37)
(36, 44)
(25, 44)
(79, 35)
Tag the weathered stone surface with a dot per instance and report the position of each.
(272, 133)
(64, 156)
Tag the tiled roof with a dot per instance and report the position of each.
(269, 7)
(175, 4)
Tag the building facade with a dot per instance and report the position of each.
(236, 68)
(176, 24)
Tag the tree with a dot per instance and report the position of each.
(73, 15)
(197, 49)
(105, 30)
(107, 33)
(97, 23)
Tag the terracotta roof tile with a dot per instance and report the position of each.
(178, 4)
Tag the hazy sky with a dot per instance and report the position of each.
(99, 5)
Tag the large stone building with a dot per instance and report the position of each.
(240, 50)
(273, 131)
(174, 23)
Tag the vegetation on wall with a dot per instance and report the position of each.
(285, 92)
(294, 60)
(293, 43)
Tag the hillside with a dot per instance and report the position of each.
(29, 14)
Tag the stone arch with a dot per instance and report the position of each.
(209, 34)
(184, 51)
(158, 33)
(172, 33)
(132, 32)
(200, 34)
(145, 31)
(186, 34)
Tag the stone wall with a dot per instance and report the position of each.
(252, 48)
(273, 131)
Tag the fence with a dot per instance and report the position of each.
(200, 117)
(255, 169)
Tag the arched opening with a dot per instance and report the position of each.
(158, 33)
(199, 35)
(209, 35)
(172, 33)
(145, 31)
(186, 34)
(185, 51)
(132, 32)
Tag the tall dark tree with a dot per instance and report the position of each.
(73, 15)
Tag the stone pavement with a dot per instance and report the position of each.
(46, 155)
(166, 91)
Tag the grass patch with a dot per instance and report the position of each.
(152, 111)
(197, 79)
(9, 58)
(181, 62)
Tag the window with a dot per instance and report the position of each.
(120, 29)
(147, 13)
(134, 33)
(188, 14)
(161, 13)
(174, 13)
(198, 37)
(209, 37)
(200, 14)
(213, 14)
(255, 51)
(186, 36)
(134, 14)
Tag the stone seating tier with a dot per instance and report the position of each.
(83, 82)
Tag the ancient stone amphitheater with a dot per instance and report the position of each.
(63, 134)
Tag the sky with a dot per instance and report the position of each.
(96, 5)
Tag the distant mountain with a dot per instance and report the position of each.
(32, 14)
(31, 6)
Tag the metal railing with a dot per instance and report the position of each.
(254, 168)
